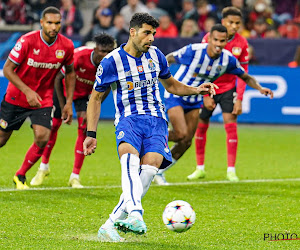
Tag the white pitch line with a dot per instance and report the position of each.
(170, 184)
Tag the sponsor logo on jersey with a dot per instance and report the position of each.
(141, 84)
(86, 81)
(236, 51)
(151, 65)
(120, 135)
(3, 124)
(43, 65)
(18, 46)
(60, 53)
(82, 70)
(36, 51)
(140, 68)
(167, 150)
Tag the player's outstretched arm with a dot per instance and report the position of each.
(70, 78)
(93, 113)
(251, 81)
(170, 58)
(177, 88)
(33, 98)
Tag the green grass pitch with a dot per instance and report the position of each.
(229, 215)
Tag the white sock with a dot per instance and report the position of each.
(118, 213)
(131, 183)
(161, 171)
(200, 167)
(74, 176)
(147, 174)
(44, 166)
(231, 169)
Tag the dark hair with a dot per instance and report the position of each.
(104, 39)
(138, 19)
(231, 11)
(218, 27)
(51, 10)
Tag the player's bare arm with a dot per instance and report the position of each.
(177, 88)
(255, 84)
(59, 89)
(93, 113)
(106, 93)
(70, 78)
(170, 58)
(32, 97)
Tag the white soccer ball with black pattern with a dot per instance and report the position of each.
(179, 216)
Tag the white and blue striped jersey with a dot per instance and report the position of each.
(196, 67)
(134, 82)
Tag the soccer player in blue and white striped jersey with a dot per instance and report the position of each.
(132, 72)
(199, 63)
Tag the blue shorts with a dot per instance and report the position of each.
(146, 134)
(174, 101)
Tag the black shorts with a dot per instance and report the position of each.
(56, 112)
(12, 117)
(79, 104)
(226, 101)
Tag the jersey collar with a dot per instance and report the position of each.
(231, 39)
(49, 45)
(91, 58)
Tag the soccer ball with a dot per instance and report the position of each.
(179, 216)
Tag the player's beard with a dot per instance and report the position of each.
(140, 48)
(51, 34)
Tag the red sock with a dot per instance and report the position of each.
(56, 123)
(32, 156)
(232, 142)
(79, 156)
(200, 141)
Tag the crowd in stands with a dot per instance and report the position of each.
(185, 18)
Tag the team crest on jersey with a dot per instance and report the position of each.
(60, 53)
(195, 74)
(18, 46)
(218, 69)
(208, 68)
(236, 51)
(99, 70)
(120, 135)
(140, 68)
(36, 51)
(3, 124)
(151, 65)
